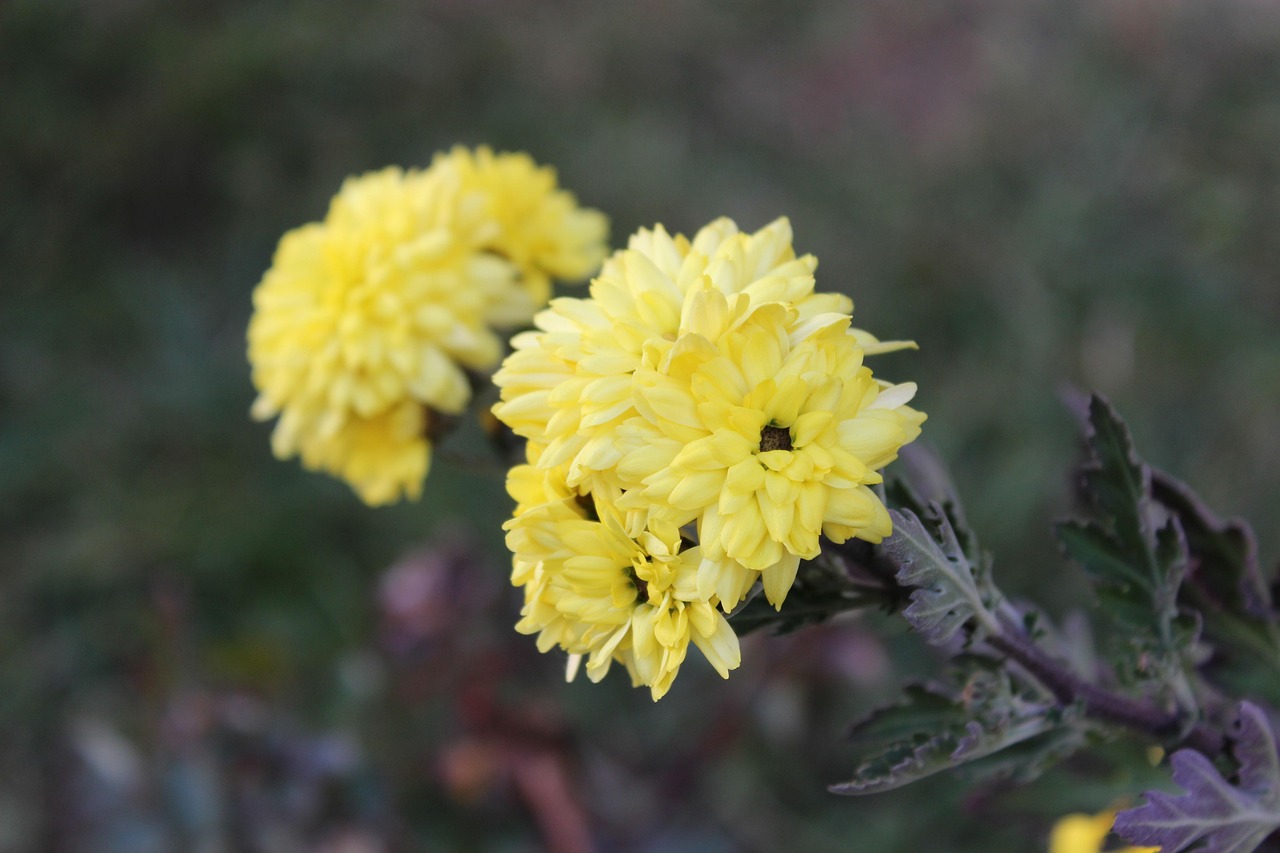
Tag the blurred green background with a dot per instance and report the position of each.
(203, 649)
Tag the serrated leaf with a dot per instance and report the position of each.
(1212, 812)
(920, 478)
(934, 730)
(1120, 545)
(1024, 762)
(926, 709)
(950, 591)
(1133, 550)
(1225, 584)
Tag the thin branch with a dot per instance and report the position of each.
(1101, 704)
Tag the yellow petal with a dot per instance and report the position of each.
(745, 477)
(698, 490)
(779, 577)
(721, 648)
(809, 426)
(777, 517)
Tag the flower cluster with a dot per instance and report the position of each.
(694, 426)
(367, 324)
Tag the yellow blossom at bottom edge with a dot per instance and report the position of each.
(1083, 833)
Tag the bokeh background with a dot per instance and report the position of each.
(203, 649)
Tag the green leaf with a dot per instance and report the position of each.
(936, 729)
(1025, 761)
(1134, 551)
(950, 591)
(1102, 556)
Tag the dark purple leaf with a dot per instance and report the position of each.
(1224, 554)
(1218, 816)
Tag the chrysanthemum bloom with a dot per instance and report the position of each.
(365, 324)
(1082, 833)
(766, 430)
(569, 385)
(530, 221)
(594, 590)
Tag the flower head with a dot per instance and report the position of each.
(366, 323)
(767, 432)
(702, 389)
(569, 384)
(595, 591)
(530, 221)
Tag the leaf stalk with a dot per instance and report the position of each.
(1101, 704)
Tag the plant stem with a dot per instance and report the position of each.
(1099, 703)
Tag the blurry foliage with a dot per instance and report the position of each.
(1080, 194)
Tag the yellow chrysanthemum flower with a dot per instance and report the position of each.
(593, 590)
(531, 222)
(1083, 833)
(702, 385)
(366, 322)
(768, 432)
(368, 319)
(569, 384)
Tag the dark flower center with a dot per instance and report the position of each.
(774, 438)
(642, 587)
(587, 504)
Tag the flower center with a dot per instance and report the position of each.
(774, 438)
(587, 504)
(642, 587)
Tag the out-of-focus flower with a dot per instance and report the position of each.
(366, 323)
(1083, 833)
(529, 220)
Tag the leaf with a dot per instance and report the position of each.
(1224, 554)
(1225, 584)
(936, 729)
(1217, 815)
(1025, 761)
(920, 478)
(1133, 550)
(950, 591)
